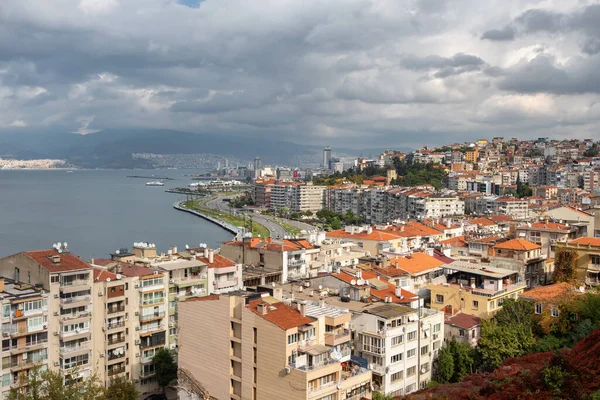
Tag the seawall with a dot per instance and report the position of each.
(225, 225)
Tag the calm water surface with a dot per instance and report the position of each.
(96, 212)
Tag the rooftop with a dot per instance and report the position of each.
(479, 269)
(280, 314)
(518, 245)
(586, 241)
(462, 320)
(388, 311)
(416, 263)
(65, 261)
(548, 292)
(18, 290)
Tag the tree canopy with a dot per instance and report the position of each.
(165, 367)
(564, 265)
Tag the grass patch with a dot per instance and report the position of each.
(200, 206)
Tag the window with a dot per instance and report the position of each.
(152, 282)
(436, 345)
(411, 353)
(538, 308)
(396, 340)
(35, 323)
(411, 371)
(461, 332)
(492, 304)
(396, 358)
(436, 328)
(554, 312)
(5, 310)
(439, 298)
(475, 304)
(595, 259)
(293, 338)
(396, 376)
(424, 350)
(6, 380)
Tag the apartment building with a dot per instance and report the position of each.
(68, 281)
(524, 257)
(588, 259)
(135, 319)
(308, 198)
(288, 256)
(332, 254)
(366, 238)
(547, 234)
(475, 289)
(342, 200)
(463, 328)
(24, 332)
(275, 349)
(400, 345)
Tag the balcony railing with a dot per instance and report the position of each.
(335, 338)
(115, 325)
(372, 349)
(74, 282)
(115, 371)
(72, 349)
(225, 284)
(70, 316)
(314, 366)
(153, 301)
(146, 329)
(116, 340)
(73, 333)
(295, 262)
(493, 293)
(112, 310)
(76, 299)
(155, 315)
(146, 374)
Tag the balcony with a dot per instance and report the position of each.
(149, 317)
(116, 371)
(72, 335)
(114, 310)
(373, 349)
(295, 262)
(115, 340)
(72, 316)
(85, 346)
(335, 338)
(75, 301)
(494, 293)
(146, 373)
(152, 302)
(378, 369)
(322, 389)
(115, 325)
(225, 284)
(151, 328)
(75, 285)
(151, 287)
(28, 363)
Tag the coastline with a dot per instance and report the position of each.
(225, 225)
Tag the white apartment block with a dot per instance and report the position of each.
(400, 345)
(307, 198)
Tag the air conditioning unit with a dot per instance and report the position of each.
(55, 333)
(171, 280)
(24, 356)
(136, 286)
(137, 341)
(137, 313)
(56, 313)
(56, 363)
(137, 328)
(100, 294)
(172, 346)
(56, 295)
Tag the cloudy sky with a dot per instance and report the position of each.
(352, 72)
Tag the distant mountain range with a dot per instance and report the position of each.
(112, 148)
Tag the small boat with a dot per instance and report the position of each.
(155, 183)
(69, 172)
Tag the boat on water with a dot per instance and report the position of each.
(155, 183)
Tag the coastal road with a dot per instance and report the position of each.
(276, 230)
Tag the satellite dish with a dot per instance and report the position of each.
(320, 287)
(65, 244)
(60, 250)
(118, 252)
(423, 370)
(107, 279)
(353, 282)
(360, 282)
(187, 247)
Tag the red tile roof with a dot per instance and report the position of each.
(280, 314)
(390, 291)
(374, 235)
(517, 244)
(458, 241)
(586, 241)
(462, 320)
(126, 268)
(417, 263)
(101, 275)
(550, 226)
(277, 246)
(482, 221)
(218, 260)
(68, 261)
(548, 292)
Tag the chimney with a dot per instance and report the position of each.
(398, 291)
(302, 307)
(263, 308)
(211, 256)
(56, 259)
(174, 249)
(92, 261)
(119, 269)
(205, 252)
(448, 224)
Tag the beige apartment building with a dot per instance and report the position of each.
(24, 332)
(259, 347)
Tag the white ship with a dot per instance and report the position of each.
(155, 183)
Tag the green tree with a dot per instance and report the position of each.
(500, 342)
(336, 223)
(165, 367)
(444, 370)
(121, 389)
(381, 396)
(51, 385)
(515, 311)
(523, 189)
(464, 360)
(564, 265)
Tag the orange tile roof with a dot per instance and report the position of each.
(550, 226)
(126, 268)
(218, 260)
(374, 235)
(412, 229)
(586, 241)
(283, 316)
(487, 239)
(101, 274)
(417, 263)
(580, 211)
(501, 218)
(68, 261)
(548, 292)
(390, 291)
(482, 221)
(517, 244)
(458, 241)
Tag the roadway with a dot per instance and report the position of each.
(276, 230)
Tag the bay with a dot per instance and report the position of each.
(96, 212)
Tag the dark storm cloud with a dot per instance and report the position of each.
(505, 34)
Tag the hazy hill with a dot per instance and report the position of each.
(112, 148)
